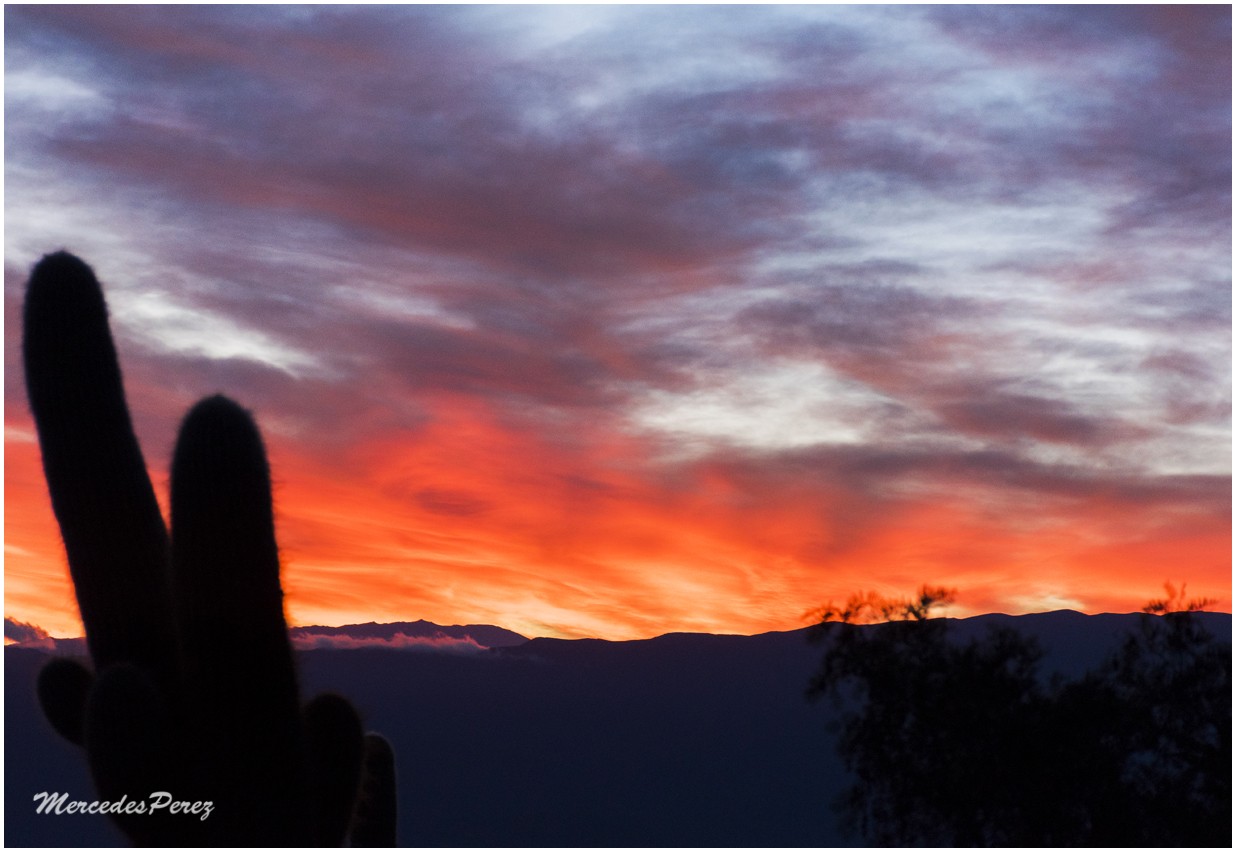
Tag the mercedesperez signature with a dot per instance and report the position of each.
(159, 800)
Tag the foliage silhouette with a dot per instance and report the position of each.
(193, 689)
(967, 744)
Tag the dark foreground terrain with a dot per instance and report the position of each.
(682, 740)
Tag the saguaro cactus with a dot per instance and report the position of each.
(193, 690)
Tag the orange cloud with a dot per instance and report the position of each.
(479, 518)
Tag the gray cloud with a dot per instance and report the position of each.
(1003, 232)
(22, 632)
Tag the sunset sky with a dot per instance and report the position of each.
(613, 321)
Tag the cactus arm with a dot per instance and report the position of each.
(240, 690)
(375, 822)
(334, 752)
(101, 495)
(63, 687)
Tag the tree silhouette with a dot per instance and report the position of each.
(193, 689)
(968, 744)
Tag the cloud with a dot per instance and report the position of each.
(402, 642)
(21, 632)
(611, 319)
(471, 175)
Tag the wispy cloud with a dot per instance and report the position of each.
(21, 632)
(617, 319)
(401, 642)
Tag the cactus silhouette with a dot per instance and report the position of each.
(193, 691)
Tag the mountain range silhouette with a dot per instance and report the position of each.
(489, 636)
(680, 740)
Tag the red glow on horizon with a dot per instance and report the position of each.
(477, 520)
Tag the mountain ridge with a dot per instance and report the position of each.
(487, 636)
(682, 740)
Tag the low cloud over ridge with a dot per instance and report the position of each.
(402, 642)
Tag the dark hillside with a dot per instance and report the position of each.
(682, 740)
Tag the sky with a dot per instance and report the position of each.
(615, 321)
